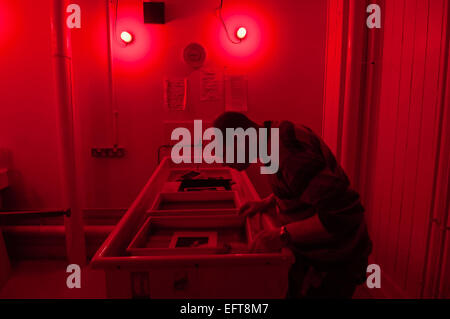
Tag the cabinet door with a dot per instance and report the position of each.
(172, 282)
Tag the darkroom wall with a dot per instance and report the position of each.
(282, 57)
(27, 105)
(283, 62)
(401, 191)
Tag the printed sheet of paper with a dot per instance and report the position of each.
(175, 94)
(236, 93)
(210, 86)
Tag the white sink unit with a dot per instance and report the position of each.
(141, 258)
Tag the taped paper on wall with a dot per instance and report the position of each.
(236, 93)
(210, 86)
(175, 94)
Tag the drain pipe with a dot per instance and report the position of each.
(62, 65)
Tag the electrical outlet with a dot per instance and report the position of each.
(108, 152)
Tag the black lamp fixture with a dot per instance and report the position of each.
(154, 12)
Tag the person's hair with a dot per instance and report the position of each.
(232, 120)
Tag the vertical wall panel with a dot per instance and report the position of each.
(370, 117)
(431, 116)
(415, 111)
(334, 75)
(384, 163)
(400, 202)
(401, 131)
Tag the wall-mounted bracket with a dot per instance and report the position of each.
(108, 152)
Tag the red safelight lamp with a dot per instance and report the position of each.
(126, 37)
(241, 33)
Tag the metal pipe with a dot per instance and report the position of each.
(111, 35)
(62, 64)
(36, 213)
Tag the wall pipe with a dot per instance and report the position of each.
(111, 29)
(36, 213)
(62, 65)
(355, 90)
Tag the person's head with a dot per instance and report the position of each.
(236, 121)
(233, 120)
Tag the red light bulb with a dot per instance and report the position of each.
(241, 33)
(126, 37)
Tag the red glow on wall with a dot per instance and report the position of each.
(249, 34)
(146, 41)
(5, 24)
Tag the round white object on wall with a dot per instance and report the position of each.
(194, 55)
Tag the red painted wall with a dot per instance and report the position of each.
(401, 179)
(282, 56)
(27, 107)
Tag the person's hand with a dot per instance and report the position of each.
(267, 241)
(251, 208)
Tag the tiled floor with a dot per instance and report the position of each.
(362, 292)
(47, 280)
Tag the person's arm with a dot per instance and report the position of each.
(308, 231)
(253, 207)
(269, 201)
